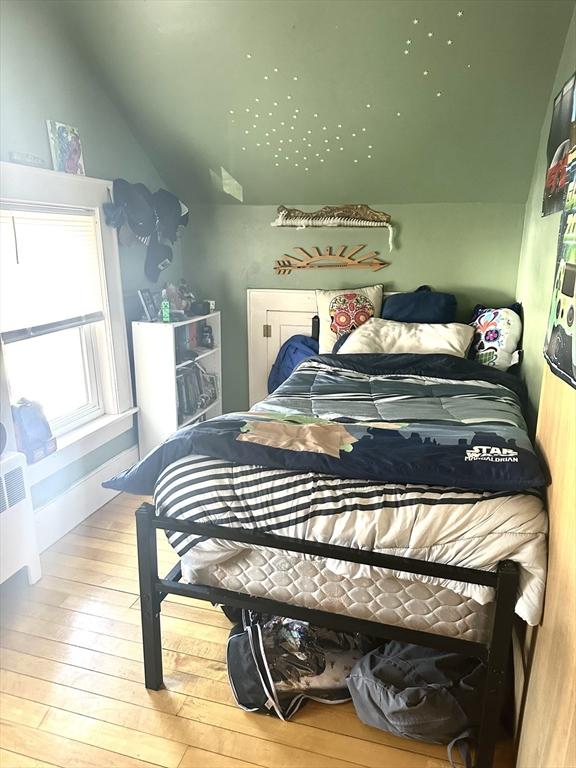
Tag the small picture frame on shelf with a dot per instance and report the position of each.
(148, 304)
(65, 148)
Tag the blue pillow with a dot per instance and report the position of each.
(421, 306)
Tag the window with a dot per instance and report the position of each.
(69, 391)
(50, 301)
(61, 311)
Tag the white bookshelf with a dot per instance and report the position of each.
(158, 362)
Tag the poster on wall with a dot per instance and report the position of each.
(65, 148)
(561, 137)
(560, 344)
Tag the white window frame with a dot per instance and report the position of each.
(89, 333)
(94, 408)
(36, 186)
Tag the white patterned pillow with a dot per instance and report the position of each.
(497, 334)
(343, 311)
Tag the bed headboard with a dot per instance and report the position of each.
(273, 316)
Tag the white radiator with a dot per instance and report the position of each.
(18, 547)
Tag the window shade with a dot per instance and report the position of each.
(49, 268)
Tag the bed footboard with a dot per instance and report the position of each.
(495, 652)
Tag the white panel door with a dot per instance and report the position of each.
(274, 316)
(282, 326)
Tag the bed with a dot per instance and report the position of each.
(396, 495)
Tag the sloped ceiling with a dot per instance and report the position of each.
(327, 102)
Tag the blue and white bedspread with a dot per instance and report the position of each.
(422, 456)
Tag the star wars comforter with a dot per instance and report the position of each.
(423, 456)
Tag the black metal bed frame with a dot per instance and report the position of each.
(494, 652)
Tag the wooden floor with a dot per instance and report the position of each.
(72, 692)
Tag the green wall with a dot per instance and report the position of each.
(178, 67)
(538, 252)
(43, 76)
(470, 249)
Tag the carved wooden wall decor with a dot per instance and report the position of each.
(327, 259)
(349, 215)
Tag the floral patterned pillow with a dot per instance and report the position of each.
(343, 311)
(497, 334)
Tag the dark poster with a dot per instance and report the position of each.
(561, 137)
(560, 345)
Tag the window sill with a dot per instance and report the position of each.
(80, 441)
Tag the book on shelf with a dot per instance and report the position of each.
(196, 389)
(192, 335)
(191, 340)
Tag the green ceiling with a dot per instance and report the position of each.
(325, 102)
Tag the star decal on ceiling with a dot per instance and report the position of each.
(290, 123)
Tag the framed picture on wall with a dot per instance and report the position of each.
(148, 304)
(560, 344)
(66, 148)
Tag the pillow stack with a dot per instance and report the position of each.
(420, 322)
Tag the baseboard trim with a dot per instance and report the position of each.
(62, 514)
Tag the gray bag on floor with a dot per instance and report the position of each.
(418, 693)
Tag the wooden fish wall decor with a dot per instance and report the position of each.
(329, 260)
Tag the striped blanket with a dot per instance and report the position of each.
(422, 456)
(473, 529)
